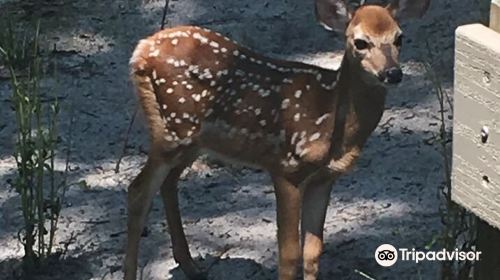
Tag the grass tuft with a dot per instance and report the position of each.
(40, 187)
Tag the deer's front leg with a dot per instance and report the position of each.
(288, 213)
(314, 205)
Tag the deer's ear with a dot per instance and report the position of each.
(334, 14)
(404, 9)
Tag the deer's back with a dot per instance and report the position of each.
(215, 94)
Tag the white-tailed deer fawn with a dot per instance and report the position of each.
(303, 124)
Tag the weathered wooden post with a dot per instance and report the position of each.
(495, 15)
(476, 134)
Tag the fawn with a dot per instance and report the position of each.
(305, 125)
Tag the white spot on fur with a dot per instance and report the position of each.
(294, 137)
(209, 112)
(214, 44)
(304, 152)
(200, 37)
(315, 136)
(196, 97)
(300, 144)
(160, 81)
(296, 117)
(186, 141)
(154, 53)
(322, 118)
(285, 103)
(265, 93)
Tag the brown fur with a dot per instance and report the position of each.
(374, 20)
(305, 125)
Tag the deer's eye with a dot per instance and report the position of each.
(399, 41)
(360, 44)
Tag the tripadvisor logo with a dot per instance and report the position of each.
(387, 255)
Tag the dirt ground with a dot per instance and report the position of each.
(229, 212)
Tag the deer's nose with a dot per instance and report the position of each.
(393, 75)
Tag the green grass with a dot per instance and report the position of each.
(40, 187)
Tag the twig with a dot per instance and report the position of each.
(234, 177)
(457, 227)
(71, 240)
(117, 167)
(165, 10)
(436, 78)
(219, 255)
(89, 114)
(125, 142)
(364, 274)
(68, 150)
(388, 121)
(104, 276)
(141, 273)
(96, 222)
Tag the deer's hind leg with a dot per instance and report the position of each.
(171, 203)
(140, 195)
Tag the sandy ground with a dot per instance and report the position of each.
(229, 212)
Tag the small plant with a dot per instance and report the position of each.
(40, 189)
(458, 230)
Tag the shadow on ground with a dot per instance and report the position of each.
(391, 197)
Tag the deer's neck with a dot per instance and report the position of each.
(359, 109)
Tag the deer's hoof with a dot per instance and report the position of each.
(197, 275)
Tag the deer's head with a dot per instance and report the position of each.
(372, 33)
